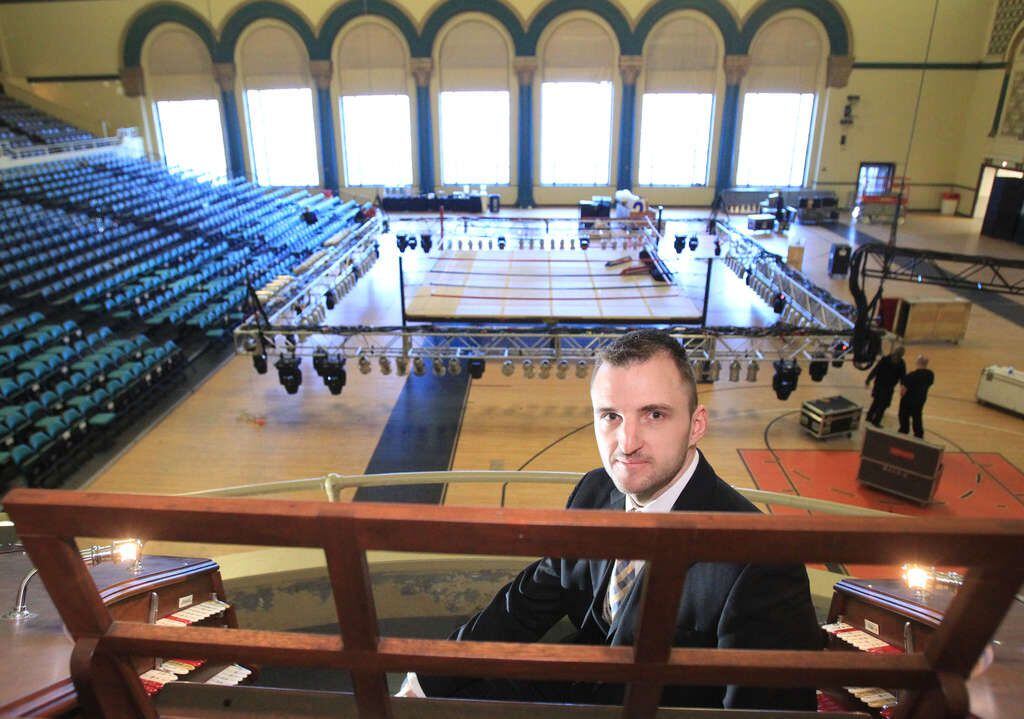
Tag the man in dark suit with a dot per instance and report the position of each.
(648, 423)
(887, 374)
(913, 394)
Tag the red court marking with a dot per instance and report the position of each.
(832, 475)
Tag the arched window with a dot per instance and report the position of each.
(474, 105)
(279, 107)
(179, 82)
(778, 105)
(681, 61)
(372, 66)
(578, 63)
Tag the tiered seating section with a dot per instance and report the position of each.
(24, 126)
(113, 272)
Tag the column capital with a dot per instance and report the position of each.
(525, 67)
(839, 69)
(736, 67)
(132, 81)
(421, 69)
(224, 74)
(630, 67)
(321, 70)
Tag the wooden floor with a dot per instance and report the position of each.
(240, 427)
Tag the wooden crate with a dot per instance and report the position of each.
(923, 319)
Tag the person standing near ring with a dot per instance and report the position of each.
(913, 394)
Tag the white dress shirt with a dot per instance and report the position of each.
(662, 503)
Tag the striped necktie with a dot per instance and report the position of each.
(624, 574)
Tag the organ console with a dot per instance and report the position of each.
(168, 591)
(885, 617)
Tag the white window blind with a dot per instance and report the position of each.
(576, 133)
(675, 138)
(474, 137)
(282, 133)
(192, 136)
(774, 139)
(377, 140)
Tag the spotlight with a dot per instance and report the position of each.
(752, 370)
(734, 370)
(412, 242)
(385, 365)
(288, 372)
(787, 373)
(402, 242)
(718, 248)
(439, 369)
(778, 302)
(334, 373)
(259, 362)
(330, 299)
(680, 243)
(584, 243)
(528, 369)
(454, 366)
(839, 349)
(508, 368)
(476, 368)
(501, 243)
(818, 368)
(364, 364)
(562, 369)
(716, 370)
(694, 242)
(581, 369)
(418, 368)
(401, 365)
(319, 357)
(426, 243)
(545, 368)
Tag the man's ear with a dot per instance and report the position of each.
(698, 424)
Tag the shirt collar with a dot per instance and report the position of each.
(667, 499)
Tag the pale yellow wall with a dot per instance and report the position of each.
(84, 38)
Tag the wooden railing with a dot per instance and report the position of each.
(48, 522)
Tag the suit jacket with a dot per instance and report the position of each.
(723, 605)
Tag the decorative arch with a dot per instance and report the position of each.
(825, 11)
(447, 10)
(345, 13)
(263, 10)
(155, 15)
(607, 11)
(715, 10)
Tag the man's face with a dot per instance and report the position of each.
(645, 431)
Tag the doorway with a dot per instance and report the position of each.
(988, 175)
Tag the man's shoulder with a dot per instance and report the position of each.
(593, 490)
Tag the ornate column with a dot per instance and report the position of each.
(421, 68)
(322, 71)
(526, 69)
(736, 67)
(224, 74)
(630, 67)
(839, 69)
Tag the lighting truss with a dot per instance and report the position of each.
(966, 272)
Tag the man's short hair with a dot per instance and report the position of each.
(642, 345)
(922, 361)
(898, 351)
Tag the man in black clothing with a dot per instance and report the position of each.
(913, 393)
(887, 373)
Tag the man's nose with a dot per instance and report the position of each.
(629, 437)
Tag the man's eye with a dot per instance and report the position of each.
(656, 415)
(609, 416)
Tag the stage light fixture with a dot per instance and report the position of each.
(680, 243)
(734, 370)
(385, 364)
(752, 370)
(718, 248)
(839, 350)
(334, 374)
(364, 364)
(787, 374)
(562, 369)
(528, 369)
(412, 242)
(418, 367)
(319, 357)
(508, 368)
(426, 243)
(694, 242)
(581, 368)
(501, 243)
(778, 302)
(584, 243)
(401, 365)
(330, 299)
(439, 368)
(288, 372)
(454, 366)
(716, 370)
(476, 367)
(402, 241)
(545, 368)
(259, 362)
(818, 368)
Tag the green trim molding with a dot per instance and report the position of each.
(345, 13)
(246, 15)
(824, 10)
(154, 15)
(443, 13)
